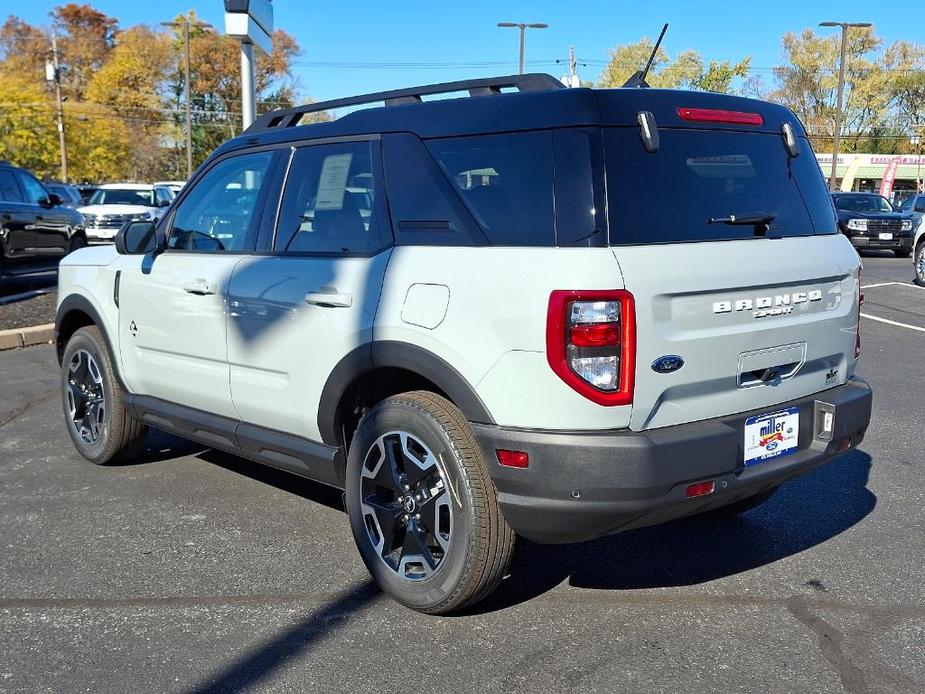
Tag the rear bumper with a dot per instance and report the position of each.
(623, 479)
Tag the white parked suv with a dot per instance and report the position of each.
(115, 204)
(547, 312)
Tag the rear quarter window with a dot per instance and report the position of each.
(696, 175)
(506, 181)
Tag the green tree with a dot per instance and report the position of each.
(28, 136)
(808, 84)
(686, 71)
(905, 65)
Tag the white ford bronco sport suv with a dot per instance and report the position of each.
(537, 311)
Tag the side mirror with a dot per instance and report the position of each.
(138, 238)
(54, 200)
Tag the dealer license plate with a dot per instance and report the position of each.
(771, 435)
(886, 237)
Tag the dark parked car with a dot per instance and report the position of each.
(70, 195)
(36, 229)
(86, 192)
(871, 222)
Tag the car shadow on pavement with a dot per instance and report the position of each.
(285, 481)
(249, 669)
(802, 514)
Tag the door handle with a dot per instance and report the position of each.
(329, 299)
(199, 287)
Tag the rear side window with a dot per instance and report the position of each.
(697, 175)
(329, 205)
(9, 190)
(506, 181)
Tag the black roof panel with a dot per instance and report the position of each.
(525, 110)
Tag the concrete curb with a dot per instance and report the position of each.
(26, 337)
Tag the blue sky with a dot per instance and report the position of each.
(341, 40)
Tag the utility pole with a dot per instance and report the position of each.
(841, 89)
(571, 79)
(523, 28)
(53, 74)
(189, 88)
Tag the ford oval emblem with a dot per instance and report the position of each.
(667, 364)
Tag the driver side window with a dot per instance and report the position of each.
(35, 191)
(218, 213)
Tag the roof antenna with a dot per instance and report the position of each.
(639, 78)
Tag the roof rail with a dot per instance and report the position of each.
(288, 117)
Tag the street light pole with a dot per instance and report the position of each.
(523, 29)
(841, 89)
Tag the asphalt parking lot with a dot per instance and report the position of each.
(194, 571)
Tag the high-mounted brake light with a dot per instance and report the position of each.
(591, 343)
(715, 115)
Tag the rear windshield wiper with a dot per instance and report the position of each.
(747, 219)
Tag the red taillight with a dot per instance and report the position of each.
(715, 115)
(591, 343)
(595, 335)
(699, 489)
(518, 459)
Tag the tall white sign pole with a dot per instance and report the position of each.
(251, 23)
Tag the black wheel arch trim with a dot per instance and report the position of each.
(395, 354)
(76, 302)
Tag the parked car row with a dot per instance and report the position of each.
(36, 228)
(42, 222)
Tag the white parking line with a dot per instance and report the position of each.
(887, 284)
(893, 322)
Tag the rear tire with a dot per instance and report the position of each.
(742, 506)
(97, 421)
(919, 264)
(422, 506)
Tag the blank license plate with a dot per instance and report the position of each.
(886, 237)
(771, 435)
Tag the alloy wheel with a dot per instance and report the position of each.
(405, 501)
(86, 397)
(920, 263)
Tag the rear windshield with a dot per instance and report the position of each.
(698, 175)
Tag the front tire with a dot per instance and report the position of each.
(422, 506)
(77, 242)
(97, 421)
(902, 254)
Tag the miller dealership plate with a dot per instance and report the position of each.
(771, 435)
